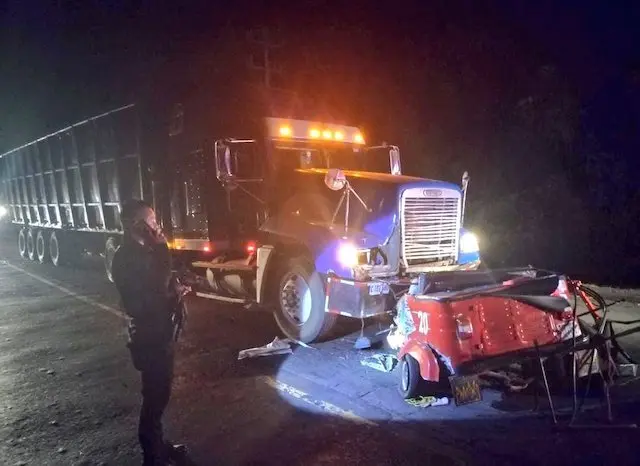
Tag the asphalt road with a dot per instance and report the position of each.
(69, 395)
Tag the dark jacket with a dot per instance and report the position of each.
(148, 292)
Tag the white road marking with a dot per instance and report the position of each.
(323, 405)
(79, 297)
(276, 384)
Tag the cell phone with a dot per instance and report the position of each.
(149, 234)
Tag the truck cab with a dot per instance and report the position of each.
(339, 227)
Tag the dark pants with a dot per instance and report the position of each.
(155, 363)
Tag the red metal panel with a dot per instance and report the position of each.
(500, 326)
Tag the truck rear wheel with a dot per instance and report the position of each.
(42, 246)
(31, 244)
(22, 243)
(300, 300)
(110, 248)
(54, 249)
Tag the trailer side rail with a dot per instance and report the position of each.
(76, 178)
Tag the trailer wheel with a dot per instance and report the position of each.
(300, 299)
(42, 247)
(110, 248)
(22, 243)
(411, 381)
(31, 245)
(54, 249)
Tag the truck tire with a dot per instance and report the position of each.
(22, 243)
(110, 248)
(299, 302)
(54, 249)
(42, 246)
(31, 244)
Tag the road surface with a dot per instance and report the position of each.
(69, 395)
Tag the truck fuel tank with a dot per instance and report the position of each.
(233, 278)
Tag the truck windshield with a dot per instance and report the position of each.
(344, 157)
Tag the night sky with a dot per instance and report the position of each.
(539, 102)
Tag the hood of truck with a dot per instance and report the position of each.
(382, 193)
(386, 178)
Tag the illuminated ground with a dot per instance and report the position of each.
(68, 394)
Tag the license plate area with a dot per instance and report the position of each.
(378, 288)
(465, 389)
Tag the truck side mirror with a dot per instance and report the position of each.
(224, 161)
(394, 161)
(335, 179)
(465, 181)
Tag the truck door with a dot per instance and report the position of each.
(240, 170)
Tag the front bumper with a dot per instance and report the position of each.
(359, 299)
(430, 268)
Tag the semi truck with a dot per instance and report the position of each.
(296, 216)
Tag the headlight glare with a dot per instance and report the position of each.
(469, 243)
(348, 255)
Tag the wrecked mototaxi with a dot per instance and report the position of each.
(454, 325)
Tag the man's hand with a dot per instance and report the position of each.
(183, 290)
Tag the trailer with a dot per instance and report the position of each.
(64, 190)
(292, 214)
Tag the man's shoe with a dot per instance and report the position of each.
(177, 452)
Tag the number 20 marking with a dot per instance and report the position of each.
(424, 322)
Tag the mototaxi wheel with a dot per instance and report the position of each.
(411, 382)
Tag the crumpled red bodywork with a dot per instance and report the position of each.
(458, 330)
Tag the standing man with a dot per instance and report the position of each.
(153, 300)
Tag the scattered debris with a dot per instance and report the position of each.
(380, 362)
(402, 325)
(277, 346)
(368, 341)
(428, 401)
(628, 370)
(298, 342)
(512, 382)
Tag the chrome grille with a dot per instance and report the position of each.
(430, 225)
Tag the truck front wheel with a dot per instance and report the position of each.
(299, 304)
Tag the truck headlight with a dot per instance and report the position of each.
(469, 243)
(3, 211)
(348, 255)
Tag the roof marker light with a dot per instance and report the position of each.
(285, 131)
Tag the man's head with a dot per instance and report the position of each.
(139, 222)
